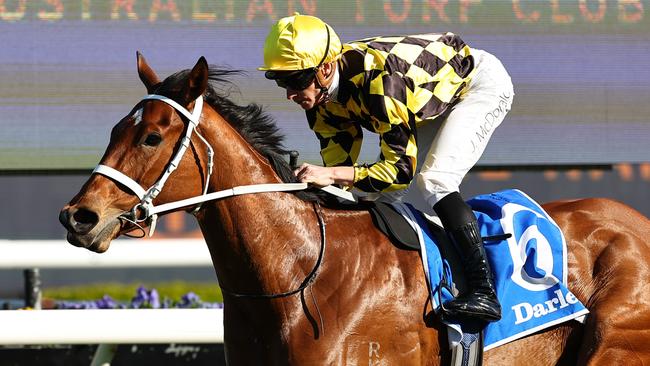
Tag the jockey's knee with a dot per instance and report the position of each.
(435, 187)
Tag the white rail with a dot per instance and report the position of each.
(20, 254)
(107, 326)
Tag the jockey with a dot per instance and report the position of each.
(433, 101)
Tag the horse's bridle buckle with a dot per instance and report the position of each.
(143, 209)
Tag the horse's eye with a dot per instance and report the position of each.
(153, 139)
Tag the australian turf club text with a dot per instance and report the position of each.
(358, 12)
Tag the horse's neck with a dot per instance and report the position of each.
(252, 237)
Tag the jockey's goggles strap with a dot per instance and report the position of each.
(323, 88)
(327, 48)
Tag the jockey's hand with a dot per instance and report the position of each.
(325, 176)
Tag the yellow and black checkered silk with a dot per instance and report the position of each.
(389, 85)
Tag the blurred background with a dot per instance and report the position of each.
(578, 128)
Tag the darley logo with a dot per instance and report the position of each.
(525, 311)
(535, 265)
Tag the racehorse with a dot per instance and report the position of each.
(288, 299)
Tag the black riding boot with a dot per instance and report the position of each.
(480, 300)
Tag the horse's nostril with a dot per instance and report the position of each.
(83, 220)
(85, 216)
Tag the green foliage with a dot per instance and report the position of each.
(208, 292)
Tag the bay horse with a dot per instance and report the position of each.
(361, 300)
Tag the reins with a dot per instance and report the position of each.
(309, 279)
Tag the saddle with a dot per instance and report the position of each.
(501, 215)
(401, 234)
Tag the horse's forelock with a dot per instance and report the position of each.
(172, 84)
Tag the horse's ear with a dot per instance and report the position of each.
(147, 75)
(197, 81)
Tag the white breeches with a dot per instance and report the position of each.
(448, 149)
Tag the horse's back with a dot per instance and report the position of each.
(607, 243)
(598, 209)
(609, 271)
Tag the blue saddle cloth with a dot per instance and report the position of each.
(530, 267)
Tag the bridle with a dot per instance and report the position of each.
(142, 211)
(145, 211)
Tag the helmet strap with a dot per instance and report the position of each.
(323, 81)
(324, 95)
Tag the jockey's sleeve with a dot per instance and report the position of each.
(340, 142)
(394, 121)
(340, 139)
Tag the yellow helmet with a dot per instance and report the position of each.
(300, 42)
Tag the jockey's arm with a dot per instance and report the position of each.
(394, 172)
(324, 176)
(341, 142)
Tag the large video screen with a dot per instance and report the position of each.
(68, 73)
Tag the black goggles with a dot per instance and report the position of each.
(297, 80)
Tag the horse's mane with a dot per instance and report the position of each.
(254, 124)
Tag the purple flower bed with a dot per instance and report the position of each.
(143, 299)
